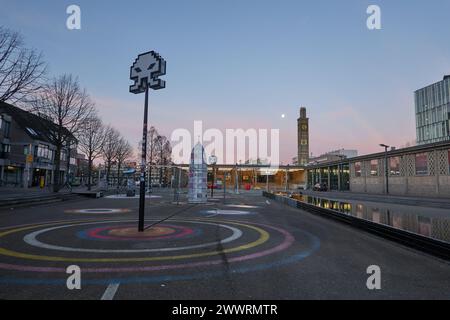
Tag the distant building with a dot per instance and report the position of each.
(27, 155)
(433, 112)
(303, 138)
(334, 156)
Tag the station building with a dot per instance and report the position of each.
(422, 170)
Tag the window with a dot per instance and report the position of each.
(421, 164)
(7, 128)
(394, 166)
(43, 151)
(374, 167)
(31, 131)
(6, 148)
(448, 160)
(63, 156)
(357, 169)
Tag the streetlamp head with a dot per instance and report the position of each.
(383, 145)
(212, 159)
(145, 72)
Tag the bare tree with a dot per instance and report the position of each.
(124, 152)
(151, 146)
(21, 69)
(66, 107)
(109, 149)
(90, 142)
(164, 151)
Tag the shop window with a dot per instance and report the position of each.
(357, 169)
(421, 164)
(448, 161)
(374, 167)
(394, 166)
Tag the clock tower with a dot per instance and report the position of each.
(303, 137)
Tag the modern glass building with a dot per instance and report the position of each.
(433, 112)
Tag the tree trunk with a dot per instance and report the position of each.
(160, 169)
(150, 169)
(108, 173)
(68, 163)
(56, 185)
(89, 173)
(119, 180)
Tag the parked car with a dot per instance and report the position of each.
(320, 187)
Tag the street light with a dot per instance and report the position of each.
(213, 160)
(386, 170)
(145, 72)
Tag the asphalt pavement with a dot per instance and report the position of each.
(246, 248)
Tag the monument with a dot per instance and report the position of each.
(198, 172)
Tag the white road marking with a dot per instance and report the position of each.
(110, 291)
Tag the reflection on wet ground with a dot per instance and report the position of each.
(429, 222)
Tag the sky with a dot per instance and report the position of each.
(243, 64)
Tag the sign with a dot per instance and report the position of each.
(29, 158)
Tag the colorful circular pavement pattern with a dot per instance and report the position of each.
(114, 251)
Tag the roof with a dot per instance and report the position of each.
(36, 127)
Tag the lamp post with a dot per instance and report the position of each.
(236, 179)
(145, 72)
(224, 186)
(213, 160)
(386, 170)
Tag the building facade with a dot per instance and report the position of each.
(415, 171)
(432, 105)
(303, 138)
(333, 156)
(26, 153)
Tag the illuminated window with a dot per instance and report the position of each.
(421, 164)
(43, 151)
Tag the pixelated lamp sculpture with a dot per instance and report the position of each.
(145, 72)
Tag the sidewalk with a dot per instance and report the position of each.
(13, 193)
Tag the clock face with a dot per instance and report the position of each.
(304, 127)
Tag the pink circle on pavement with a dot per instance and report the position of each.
(176, 232)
